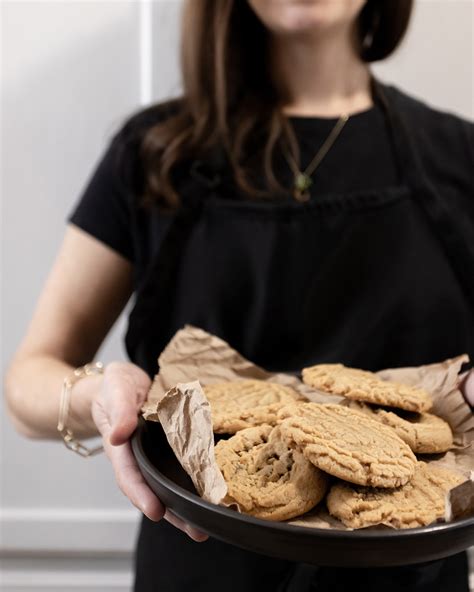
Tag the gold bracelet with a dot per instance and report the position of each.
(69, 440)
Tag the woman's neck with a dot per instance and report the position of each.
(320, 75)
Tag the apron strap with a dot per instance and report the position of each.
(452, 232)
(204, 180)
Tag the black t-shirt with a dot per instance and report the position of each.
(376, 270)
(362, 158)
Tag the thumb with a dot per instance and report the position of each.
(123, 391)
(123, 421)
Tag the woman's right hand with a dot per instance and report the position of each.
(115, 412)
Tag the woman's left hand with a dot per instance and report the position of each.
(467, 387)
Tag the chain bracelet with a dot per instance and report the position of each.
(69, 439)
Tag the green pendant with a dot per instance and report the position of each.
(303, 182)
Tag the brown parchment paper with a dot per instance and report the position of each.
(194, 354)
(177, 401)
(185, 415)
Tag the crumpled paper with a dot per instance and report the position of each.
(178, 402)
(185, 415)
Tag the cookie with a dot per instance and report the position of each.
(424, 433)
(361, 385)
(266, 477)
(418, 503)
(246, 403)
(348, 444)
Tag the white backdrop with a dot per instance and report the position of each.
(71, 72)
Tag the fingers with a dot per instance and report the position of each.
(132, 483)
(467, 387)
(134, 487)
(192, 532)
(115, 413)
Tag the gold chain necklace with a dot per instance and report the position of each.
(302, 179)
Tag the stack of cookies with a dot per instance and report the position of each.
(285, 455)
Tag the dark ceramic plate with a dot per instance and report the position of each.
(362, 548)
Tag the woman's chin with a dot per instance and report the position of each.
(294, 17)
(302, 27)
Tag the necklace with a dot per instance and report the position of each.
(302, 179)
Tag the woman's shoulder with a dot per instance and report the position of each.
(445, 145)
(124, 153)
(438, 129)
(136, 125)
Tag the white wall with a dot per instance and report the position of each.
(71, 71)
(436, 60)
(70, 74)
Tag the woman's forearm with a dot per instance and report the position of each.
(33, 388)
(87, 289)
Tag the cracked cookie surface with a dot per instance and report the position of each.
(348, 444)
(266, 477)
(362, 385)
(418, 503)
(242, 404)
(424, 433)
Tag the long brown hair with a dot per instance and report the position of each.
(229, 99)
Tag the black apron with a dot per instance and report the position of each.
(371, 279)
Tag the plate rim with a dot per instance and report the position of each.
(356, 534)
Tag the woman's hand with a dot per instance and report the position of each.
(115, 412)
(467, 387)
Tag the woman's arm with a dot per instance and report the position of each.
(86, 290)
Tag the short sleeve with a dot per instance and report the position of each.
(104, 209)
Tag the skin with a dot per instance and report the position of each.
(296, 18)
(66, 332)
(307, 38)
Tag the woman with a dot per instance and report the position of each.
(287, 203)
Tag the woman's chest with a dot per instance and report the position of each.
(361, 279)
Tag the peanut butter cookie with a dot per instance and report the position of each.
(266, 477)
(424, 433)
(418, 503)
(347, 444)
(246, 403)
(366, 386)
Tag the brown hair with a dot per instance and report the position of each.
(229, 99)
